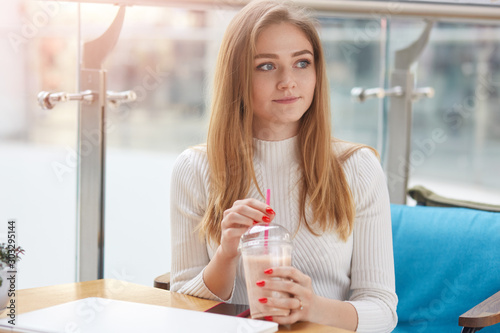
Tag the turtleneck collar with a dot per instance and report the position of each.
(276, 154)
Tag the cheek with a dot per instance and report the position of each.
(260, 89)
(308, 80)
(310, 84)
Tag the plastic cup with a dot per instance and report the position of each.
(264, 246)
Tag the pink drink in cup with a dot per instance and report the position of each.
(262, 247)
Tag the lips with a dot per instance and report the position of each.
(286, 100)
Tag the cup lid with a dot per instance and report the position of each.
(265, 233)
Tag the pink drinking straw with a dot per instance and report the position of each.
(266, 232)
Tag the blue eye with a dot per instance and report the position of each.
(303, 63)
(265, 67)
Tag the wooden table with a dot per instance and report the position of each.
(38, 298)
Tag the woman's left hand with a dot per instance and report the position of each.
(302, 301)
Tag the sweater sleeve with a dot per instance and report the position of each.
(187, 207)
(372, 267)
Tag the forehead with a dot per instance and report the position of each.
(282, 38)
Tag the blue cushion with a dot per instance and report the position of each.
(439, 327)
(447, 260)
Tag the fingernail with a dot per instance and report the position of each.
(268, 271)
(268, 318)
(269, 210)
(263, 300)
(266, 219)
(261, 283)
(255, 222)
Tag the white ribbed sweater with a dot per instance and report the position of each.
(360, 270)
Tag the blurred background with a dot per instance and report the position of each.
(167, 55)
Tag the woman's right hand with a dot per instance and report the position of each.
(237, 219)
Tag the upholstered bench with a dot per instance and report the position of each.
(447, 261)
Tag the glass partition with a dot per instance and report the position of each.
(355, 54)
(38, 158)
(456, 134)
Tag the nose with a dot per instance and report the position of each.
(286, 80)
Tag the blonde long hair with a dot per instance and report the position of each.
(230, 139)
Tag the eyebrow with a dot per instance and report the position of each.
(274, 56)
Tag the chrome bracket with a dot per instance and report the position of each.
(359, 94)
(48, 100)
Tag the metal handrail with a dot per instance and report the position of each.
(440, 11)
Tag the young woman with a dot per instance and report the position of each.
(270, 128)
